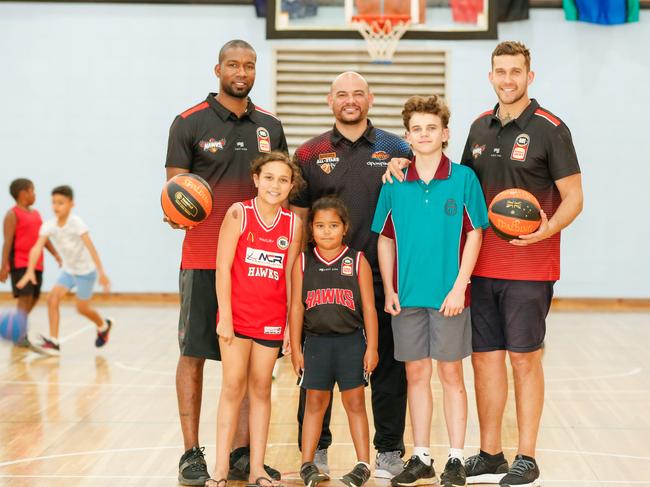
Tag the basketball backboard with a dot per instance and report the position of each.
(430, 19)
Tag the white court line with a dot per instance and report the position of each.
(627, 373)
(598, 377)
(272, 445)
(290, 388)
(74, 334)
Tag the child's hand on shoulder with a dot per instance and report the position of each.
(454, 303)
(370, 360)
(298, 362)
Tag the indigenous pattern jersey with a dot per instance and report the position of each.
(331, 164)
(330, 293)
(212, 142)
(259, 288)
(28, 224)
(531, 152)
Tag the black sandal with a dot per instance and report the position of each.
(215, 483)
(259, 480)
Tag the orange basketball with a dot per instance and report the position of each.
(514, 212)
(186, 199)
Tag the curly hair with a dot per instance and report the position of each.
(434, 105)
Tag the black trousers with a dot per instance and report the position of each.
(388, 383)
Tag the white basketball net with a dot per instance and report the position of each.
(382, 36)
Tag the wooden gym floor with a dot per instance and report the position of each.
(109, 417)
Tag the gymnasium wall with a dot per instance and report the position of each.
(88, 92)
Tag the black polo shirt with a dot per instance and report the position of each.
(332, 164)
(211, 141)
(531, 152)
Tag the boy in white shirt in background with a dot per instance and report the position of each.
(80, 269)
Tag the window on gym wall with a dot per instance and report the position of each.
(303, 77)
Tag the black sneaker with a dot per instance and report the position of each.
(415, 472)
(523, 473)
(454, 474)
(46, 347)
(102, 336)
(480, 470)
(240, 465)
(310, 474)
(357, 477)
(192, 469)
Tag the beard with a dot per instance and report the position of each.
(517, 96)
(237, 92)
(351, 120)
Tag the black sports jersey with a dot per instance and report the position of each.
(211, 141)
(330, 293)
(531, 152)
(333, 165)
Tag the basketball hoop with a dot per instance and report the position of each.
(382, 33)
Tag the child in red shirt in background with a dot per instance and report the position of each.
(21, 226)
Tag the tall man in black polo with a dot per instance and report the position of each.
(216, 139)
(518, 144)
(349, 161)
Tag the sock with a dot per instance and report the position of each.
(423, 454)
(53, 340)
(457, 453)
(104, 327)
(492, 458)
(363, 463)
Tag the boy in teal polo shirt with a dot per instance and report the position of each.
(430, 230)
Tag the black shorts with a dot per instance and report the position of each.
(197, 325)
(509, 315)
(30, 289)
(330, 359)
(262, 341)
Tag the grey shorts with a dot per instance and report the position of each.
(425, 333)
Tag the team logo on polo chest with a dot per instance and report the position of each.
(477, 150)
(451, 208)
(347, 266)
(520, 148)
(212, 145)
(327, 162)
(263, 140)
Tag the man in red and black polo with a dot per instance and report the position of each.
(518, 144)
(216, 139)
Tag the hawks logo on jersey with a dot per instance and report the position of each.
(343, 297)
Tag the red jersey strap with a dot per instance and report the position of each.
(357, 264)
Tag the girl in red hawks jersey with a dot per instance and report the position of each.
(258, 241)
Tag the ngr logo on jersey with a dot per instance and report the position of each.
(264, 258)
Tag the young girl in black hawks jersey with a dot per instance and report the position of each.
(258, 240)
(332, 303)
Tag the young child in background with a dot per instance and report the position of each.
(258, 241)
(21, 226)
(81, 268)
(332, 303)
(431, 228)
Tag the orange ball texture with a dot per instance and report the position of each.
(514, 212)
(187, 199)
